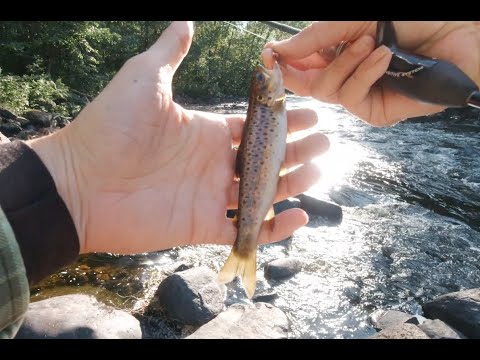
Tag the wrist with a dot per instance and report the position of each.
(57, 154)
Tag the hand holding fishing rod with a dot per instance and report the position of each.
(446, 74)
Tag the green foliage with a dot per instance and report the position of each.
(19, 93)
(54, 65)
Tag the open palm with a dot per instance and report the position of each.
(156, 175)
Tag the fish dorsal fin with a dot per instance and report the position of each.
(386, 34)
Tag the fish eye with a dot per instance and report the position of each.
(260, 77)
(259, 97)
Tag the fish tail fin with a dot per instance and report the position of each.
(244, 267)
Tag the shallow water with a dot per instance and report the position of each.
(410, 230)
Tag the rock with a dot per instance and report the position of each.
(10, 128)
(278, 207)
(290, 203)
(265, 298)
(382, 319)
(353, 294)
(437, 329)
(231, 213)
(61, 121)
(77, 317)
(46, 131)
(282, 268)
(22, 121)
(241, 321)
(191, 297)
(460, 310)
(314, 206)
(4, 139)
(182, 267)
(420, 320)
(39, 118)
(26, 134)
(403, 331)
(7, 114)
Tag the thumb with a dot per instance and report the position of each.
(173, 45)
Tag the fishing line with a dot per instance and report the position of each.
(247, 31)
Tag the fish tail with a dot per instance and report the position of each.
(244, 267)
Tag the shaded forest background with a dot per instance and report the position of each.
(58, 66)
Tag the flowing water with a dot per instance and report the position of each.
(410, 229)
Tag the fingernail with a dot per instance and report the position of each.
(380, 53)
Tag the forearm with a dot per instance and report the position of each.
(42, 224)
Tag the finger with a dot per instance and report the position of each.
(173, 45)
(321, 35)
(267, 57)
(298, 81)
(282, 226)
(304, 150)
(354, 94)
(327, 85)
(278, 228)
(313, 61)
(296, 182)
(298, 119)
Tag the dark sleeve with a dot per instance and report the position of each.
(41, 222)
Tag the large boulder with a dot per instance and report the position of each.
(460, 310)
(191, 297)
(242, 321)
(402, 331)
(39, 118)
(77, 317)
(437, 329)
(281, 269)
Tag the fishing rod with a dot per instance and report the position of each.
(282, 27)
(419, 77)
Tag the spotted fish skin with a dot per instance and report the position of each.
(259, 161)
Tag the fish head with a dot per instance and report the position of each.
(268, 87)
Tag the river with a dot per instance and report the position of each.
(410, 231)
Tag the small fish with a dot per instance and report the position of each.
(258, 165)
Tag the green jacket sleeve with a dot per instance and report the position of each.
(14, 288)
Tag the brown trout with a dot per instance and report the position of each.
(258, 165)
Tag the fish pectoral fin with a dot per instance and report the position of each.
(283, 171)
(271, 218)
(243, 266)
(270, 214)
(235, 220)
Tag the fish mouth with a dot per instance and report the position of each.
(273, 76)
(270, 72)
(266, 72)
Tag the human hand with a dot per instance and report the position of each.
(140, 173)
(349, 79)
